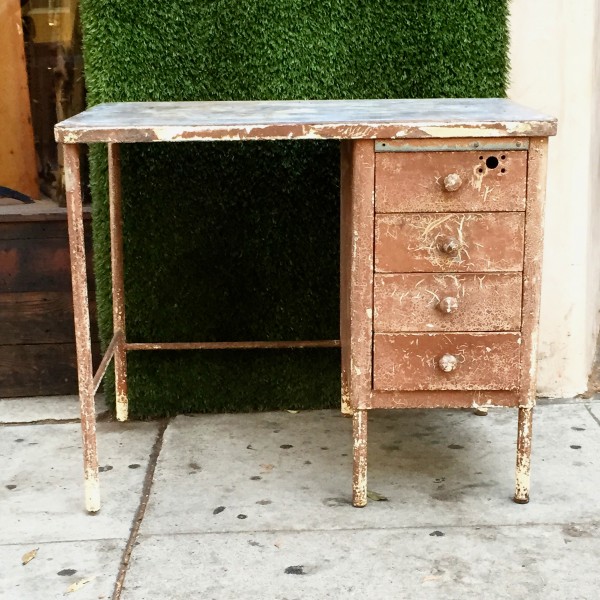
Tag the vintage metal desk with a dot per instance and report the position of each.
(441, 243)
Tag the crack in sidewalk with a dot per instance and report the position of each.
(589, 409)
(141, 510)
(103, 417)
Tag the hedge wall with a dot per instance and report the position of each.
(239, 241)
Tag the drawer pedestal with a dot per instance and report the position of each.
(441, 259)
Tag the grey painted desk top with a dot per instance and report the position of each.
(303, 119)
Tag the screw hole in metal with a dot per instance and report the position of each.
(502, 170)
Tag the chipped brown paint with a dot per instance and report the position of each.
(532, 274)
(485, 242)
(118, 279)
(411, 361)
(447, 258)
(110, 136)
(82, 326)
(353, 131)
(406, 302)
(532, 270)
(398, 399)
(414, 181)
(128, 122)
(346, 164)
(471, 256)
(523, 469)
(108, 356)
(356, 314)
(359, 453)
(357, 233)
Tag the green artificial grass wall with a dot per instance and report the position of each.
(239, 241)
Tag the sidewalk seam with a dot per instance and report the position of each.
(141, 510)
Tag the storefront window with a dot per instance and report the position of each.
(55, 71)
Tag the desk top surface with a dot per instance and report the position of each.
(303, 119)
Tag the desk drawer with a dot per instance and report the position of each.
(447, 302)
(450, 181)
(437, 242)
(474, 361)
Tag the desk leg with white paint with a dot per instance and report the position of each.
(82, 324)
(118, 284)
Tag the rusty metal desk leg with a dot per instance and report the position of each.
(523, 455)
(532, 272)
(359, 478)
(118, 286)
(82, 325)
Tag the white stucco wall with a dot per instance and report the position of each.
(555, 67)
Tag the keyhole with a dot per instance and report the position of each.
(491, 162)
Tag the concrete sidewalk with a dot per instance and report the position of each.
(258, 507)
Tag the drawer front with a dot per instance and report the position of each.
(473, 361)
(447, 302)
(437, 242)
(450, 181)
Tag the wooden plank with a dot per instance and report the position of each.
(18, 169)
(36, 265)
(39, 369)
(447, 302)
(37, 221)
(29, 266)
(417, 181)
(38, 230)
(303, 119)
(419, 361)
(43, 210)
(39, 318)
(436, 242)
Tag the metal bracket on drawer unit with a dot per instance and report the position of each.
(451, 146)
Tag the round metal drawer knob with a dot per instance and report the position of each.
(448, 245)
(448, 363)
(452, 182)
(448, 305)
